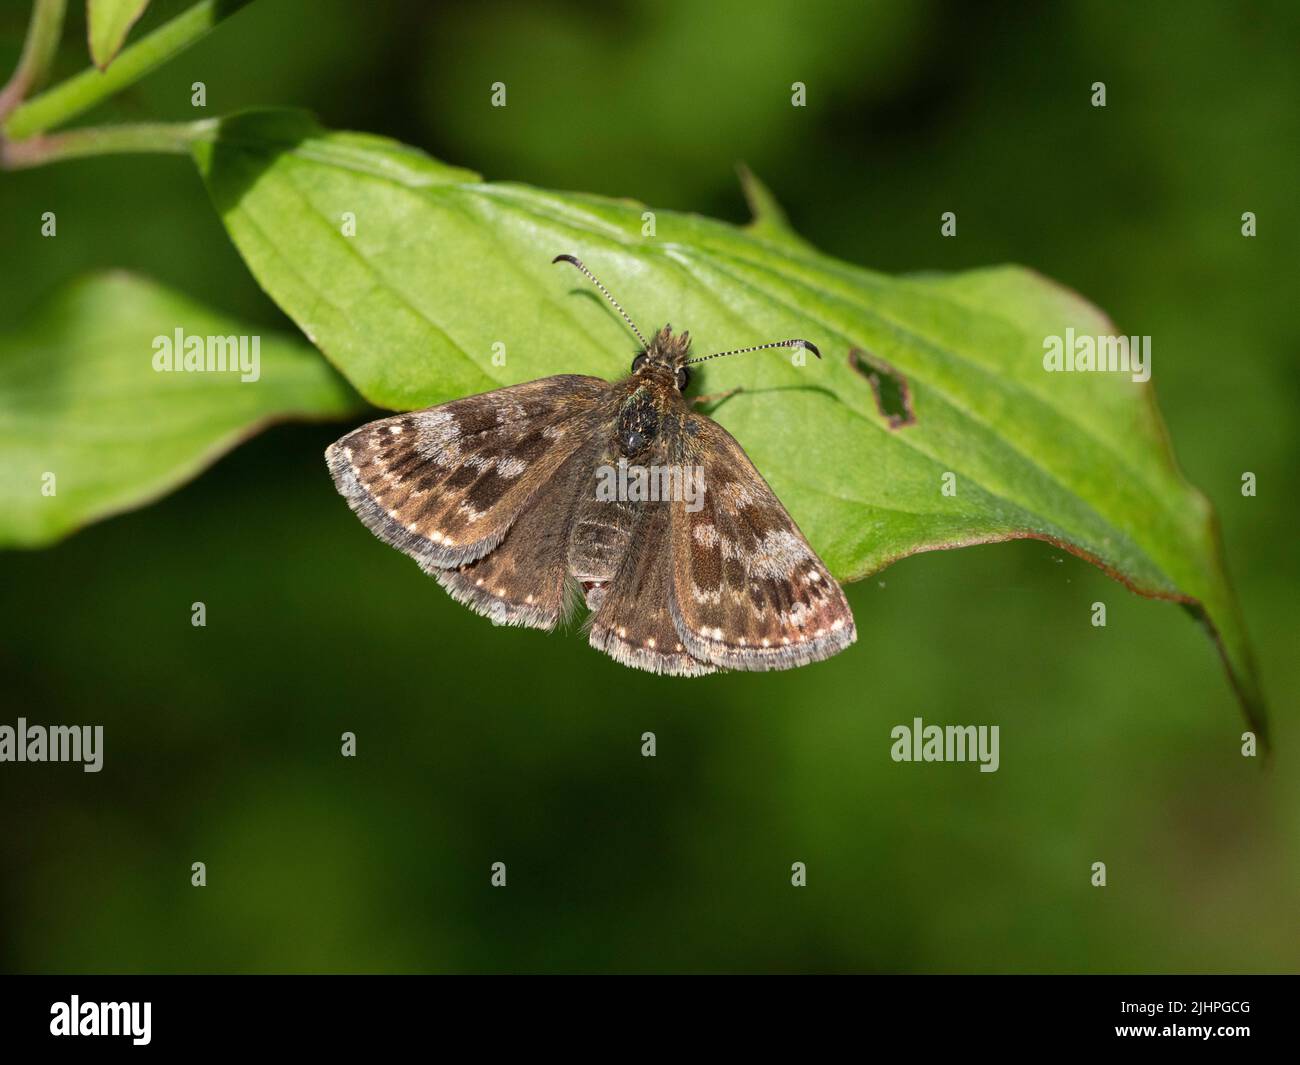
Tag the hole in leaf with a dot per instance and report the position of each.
(893, 396)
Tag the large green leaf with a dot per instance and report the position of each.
(80, 400)
(107, 24)
(442, 266)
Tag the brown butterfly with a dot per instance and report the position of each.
(521, 500)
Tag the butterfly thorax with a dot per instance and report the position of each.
(653, 392)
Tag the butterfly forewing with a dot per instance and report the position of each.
(748, 592)
(445, 484)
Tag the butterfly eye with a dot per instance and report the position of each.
(683, 379)
(637, 363)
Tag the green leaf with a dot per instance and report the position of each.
(442, 266)
(107, 24)
(769, 220)
(81, 400)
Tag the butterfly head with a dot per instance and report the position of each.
(664, 358)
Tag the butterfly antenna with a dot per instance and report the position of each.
(759, 347)
(575, 261)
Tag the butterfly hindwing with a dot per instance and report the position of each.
(634, 625)
(526, 579)
(445, 484)
(748, 592)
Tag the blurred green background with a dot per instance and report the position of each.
(479, 744)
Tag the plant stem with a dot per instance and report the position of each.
(167, 137)
(83, 91)
(41, 43)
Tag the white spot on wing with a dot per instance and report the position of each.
(778, 554)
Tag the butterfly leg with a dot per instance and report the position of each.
(715, 397)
